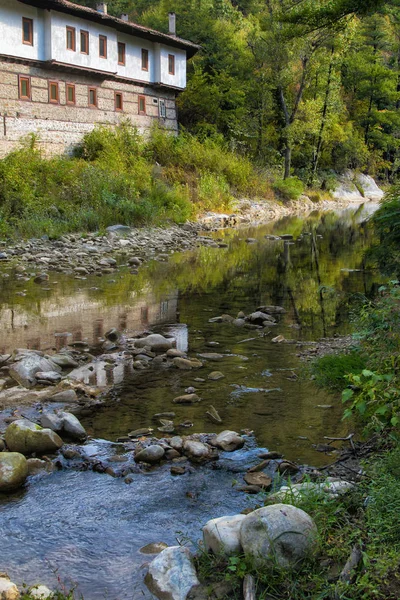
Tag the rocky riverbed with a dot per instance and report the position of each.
(82, 254)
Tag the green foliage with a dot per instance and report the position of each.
(331, 370)
(376, 399)
(375, 392)
(289, 189)
(386, 222)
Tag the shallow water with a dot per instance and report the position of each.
(90, 526)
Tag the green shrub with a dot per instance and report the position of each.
(375, 392)
(213, 191)
(289, 189)
(116, 175)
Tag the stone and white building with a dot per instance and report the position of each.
(65, 68)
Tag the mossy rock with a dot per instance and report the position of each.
(13, 471)
(27, 437)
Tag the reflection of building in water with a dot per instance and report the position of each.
(78, 318)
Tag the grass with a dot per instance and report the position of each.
(367, 517)
(330, 371)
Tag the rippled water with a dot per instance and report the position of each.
(90, 526)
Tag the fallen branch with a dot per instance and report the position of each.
(249, 588)
(340, 439)
(352, 562)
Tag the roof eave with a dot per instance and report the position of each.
(118, 24)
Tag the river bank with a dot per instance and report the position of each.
(82, 254)
(204, 300)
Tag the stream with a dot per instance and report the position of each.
(86, 528)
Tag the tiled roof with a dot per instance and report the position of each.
(124, 26)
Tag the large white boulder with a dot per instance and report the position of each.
(281, 533)
(27, 437)
(171, 575)
(8, 589)
(222, 536)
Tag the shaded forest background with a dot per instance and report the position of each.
(303, 87)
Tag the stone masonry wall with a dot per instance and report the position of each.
(60, 127)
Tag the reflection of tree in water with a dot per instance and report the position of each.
(307, 277)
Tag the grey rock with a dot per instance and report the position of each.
(222, 535)
(186, 399)
(216, 375)
(52, 421)
(171, 575)
(281, 533)
(64, 423)
(176, 443)
(197, 451)
(48, 376)
(157, 342)
(64, 361)
(152, 454)
(211, 356)
(175, 353)
(36, 465)
(25, 369)
(259, 318)
(13, 471)
(229, 441)
(187, 364)
(135, 261)
(176, 470)
(153, 548)
(64, 396)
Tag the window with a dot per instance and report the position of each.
(171, 64)
(70, 94)
(84, 42)
(27, 31)
(161, 109)
(102, 46)
(145, 59)
(24, 88)
(121, 53)
(71, 38)
(93, 97)
(54, 94)
(142, 105)
(119, 102)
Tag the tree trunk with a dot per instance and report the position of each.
(288, 161)
(323, 120)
